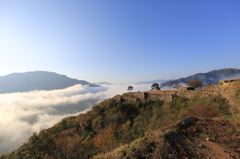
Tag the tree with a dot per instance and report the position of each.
(177, 85)
(195, 83)
(130, 88)
(155, 86)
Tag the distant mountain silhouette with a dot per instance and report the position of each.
(153, 81)
(211, 77)
(38, 80)
(102, 83)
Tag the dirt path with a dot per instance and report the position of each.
(212, 150)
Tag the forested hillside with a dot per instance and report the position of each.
(150, 129)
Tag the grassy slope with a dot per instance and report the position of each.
(198, 139)
(138, 130)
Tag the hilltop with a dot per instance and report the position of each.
(193, 124)
(38, 80)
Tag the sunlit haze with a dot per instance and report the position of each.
(119, 41)
(29, 112)
(112, 41)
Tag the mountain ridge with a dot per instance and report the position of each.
(180, 128)
(184, 127)
(37, 80)
(211, 77)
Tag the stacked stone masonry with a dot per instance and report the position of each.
(169, 95)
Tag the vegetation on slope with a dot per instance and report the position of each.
(110, 125)
(231, 92)
(191, 138)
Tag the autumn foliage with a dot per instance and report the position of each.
(195, 83)
(110, 124)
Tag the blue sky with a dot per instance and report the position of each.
(119, 41)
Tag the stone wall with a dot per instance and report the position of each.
(169, 95)
(226, 82)
(162, 92)
(231, 92)
(160, 96)
(166, 95)
(117, 98)
(197, 94)
(129, 100)
(140, 95)
(120, 99)
(209, 87)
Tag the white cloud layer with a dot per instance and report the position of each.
(22, 114)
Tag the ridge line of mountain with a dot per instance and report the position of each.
(211, 77)
(37, 80)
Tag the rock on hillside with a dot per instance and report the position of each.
(212, 77)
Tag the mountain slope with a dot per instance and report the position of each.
(196, 127)
(38, 80)
(190, 138)
(150, 129)
(212, 77)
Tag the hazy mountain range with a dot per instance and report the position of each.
(153, 81)
(211, 77)
(43, 80)
(129, 129)
(102, 83)
(38, 80)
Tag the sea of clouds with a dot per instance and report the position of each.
(22, 114)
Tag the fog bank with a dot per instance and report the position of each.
(24, 113)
